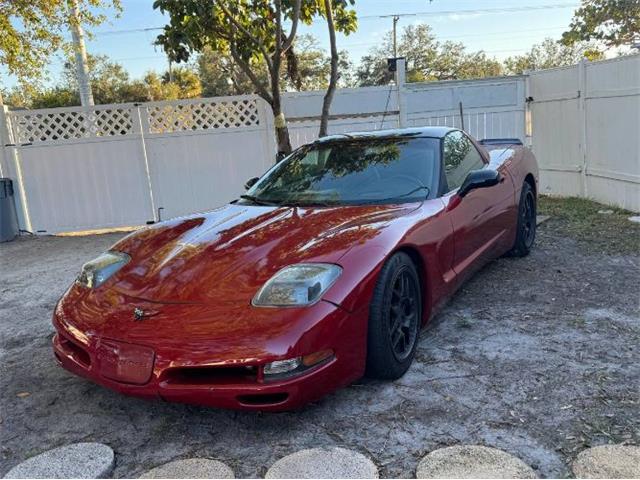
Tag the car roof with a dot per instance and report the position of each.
(433, 132)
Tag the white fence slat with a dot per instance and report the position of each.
(114, 165)
(586, 130)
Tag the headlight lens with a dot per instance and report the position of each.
(297, 285)
(97, 271)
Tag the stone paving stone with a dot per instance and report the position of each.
(472, 461)
(191, 468)
(323, 463)
(78, 460)
(608, 461)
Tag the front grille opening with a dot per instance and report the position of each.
(78, 353)
(210, 375)
(263, 399)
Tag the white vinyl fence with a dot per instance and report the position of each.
(492, 107)
(586, 130)
(122, 165)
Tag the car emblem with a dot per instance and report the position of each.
(140, 314)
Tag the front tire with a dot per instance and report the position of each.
(394, 320)
(526, 227)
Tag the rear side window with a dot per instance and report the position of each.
(460, 157)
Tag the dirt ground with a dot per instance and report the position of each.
(536, 356)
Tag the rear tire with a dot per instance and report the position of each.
(526, 227)
(394, 320)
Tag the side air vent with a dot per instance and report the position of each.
(501, 141)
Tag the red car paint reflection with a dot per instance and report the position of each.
(201, 340)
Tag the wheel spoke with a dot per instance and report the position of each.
(408, 319)
(395, 323)
(395, 339)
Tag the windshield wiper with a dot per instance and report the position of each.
(258, 201)
(399, 197)
(309, 204)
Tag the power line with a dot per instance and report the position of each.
(522, 8)
(125, 31)
(454, 37)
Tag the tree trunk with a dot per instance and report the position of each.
(333, 79)
(284, 142)
(282, 131)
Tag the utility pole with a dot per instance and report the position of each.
(82, 67)
(395, 41)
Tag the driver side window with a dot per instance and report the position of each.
(460, 157)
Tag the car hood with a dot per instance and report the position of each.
(226, 255)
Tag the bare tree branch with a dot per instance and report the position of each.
(333, 79)
(246, 32)
(294, 26)
(246, 68)
(277, 57)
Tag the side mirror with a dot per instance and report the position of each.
(479, 179)
(251, 182)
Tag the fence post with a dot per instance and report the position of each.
(582, 119)
(4, 139)
(401, 75)
(266, 121)
(528, 126)
(140, 126)
(10, 167)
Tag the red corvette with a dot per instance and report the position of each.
(324, 271)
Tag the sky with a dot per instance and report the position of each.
(129, 38)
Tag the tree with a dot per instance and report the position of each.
(252, 32)
(32, 30)
(107, 78)
(186, 81)
(110, 83)
(314, 66)
(550, 54)
(220, 75)
(613, 22)
(426, 59)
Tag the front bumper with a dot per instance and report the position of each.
(233, 383)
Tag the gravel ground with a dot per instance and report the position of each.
(536, 356)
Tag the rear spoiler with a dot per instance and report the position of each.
(501, 141)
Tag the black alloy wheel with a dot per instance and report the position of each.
(395, 318)
(527, 220)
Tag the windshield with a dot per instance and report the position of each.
(356, 171)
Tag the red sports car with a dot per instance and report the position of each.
(323, 272)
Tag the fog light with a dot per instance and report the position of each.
(282, 366)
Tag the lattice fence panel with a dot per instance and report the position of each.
(45, 126)
(203, 116)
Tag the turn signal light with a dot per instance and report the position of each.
(315, 358)
(295, 366)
